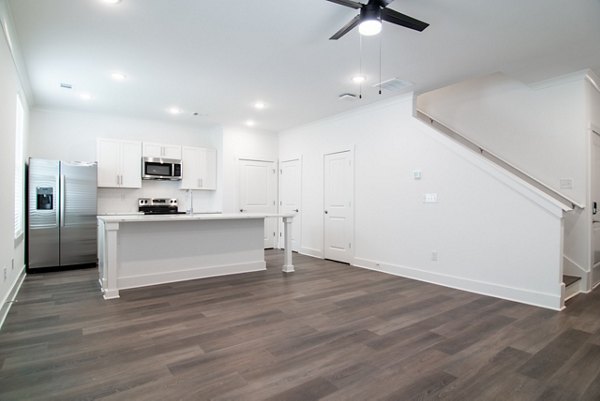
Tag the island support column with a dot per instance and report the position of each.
(109, 270)
(288, 267)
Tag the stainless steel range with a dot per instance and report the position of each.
(158, 206)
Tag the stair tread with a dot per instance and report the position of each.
(568, 280)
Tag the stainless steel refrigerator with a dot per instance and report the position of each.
(61, 213)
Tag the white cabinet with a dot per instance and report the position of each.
(199, 167)
(159, 150)
(119, 163)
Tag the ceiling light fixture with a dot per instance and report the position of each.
(111, 1)
(117, 76)
(259, 105)
(359, 79)
(174, 110)
(250, 123)
(370, 19)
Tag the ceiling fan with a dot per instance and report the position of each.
(371, 15)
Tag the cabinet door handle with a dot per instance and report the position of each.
(118, 180)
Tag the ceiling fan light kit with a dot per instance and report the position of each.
(371, 15)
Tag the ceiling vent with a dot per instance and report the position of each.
(394, 85)
(66, 86)
(347, 96)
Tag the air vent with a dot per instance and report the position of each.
(347, 96)
(394, 85)
(66, 86)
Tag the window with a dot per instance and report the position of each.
(19, 167)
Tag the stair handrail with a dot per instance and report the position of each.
(565, 200)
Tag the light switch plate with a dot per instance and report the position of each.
(417, 174)
(431, 198)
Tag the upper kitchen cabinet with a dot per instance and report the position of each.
(159, 150)
(199, 167)
(119, 163)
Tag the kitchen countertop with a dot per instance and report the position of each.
(133, 218)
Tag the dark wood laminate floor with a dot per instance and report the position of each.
(328, 331)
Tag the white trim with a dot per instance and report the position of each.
(593, 79)
(315, 253)
(544, 300)
(11, 295)
(189, 274)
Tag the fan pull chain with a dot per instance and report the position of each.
(380, 40)
(360, 66)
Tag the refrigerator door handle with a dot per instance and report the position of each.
(62, 200)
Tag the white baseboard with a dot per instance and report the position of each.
(544, 300)
(315, 253)
(11, 295)
(188, 274)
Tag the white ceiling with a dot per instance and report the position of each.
(218, 57)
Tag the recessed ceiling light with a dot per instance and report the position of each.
(118, 76)
(359, 79)
(259, 105)
(174, 110)
(86, 96)
(111, 1)
(250, 123)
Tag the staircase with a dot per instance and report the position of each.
(572, 286)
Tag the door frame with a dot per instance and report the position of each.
(296, 220)
(238, 185)
(332, 151)
(591, 281)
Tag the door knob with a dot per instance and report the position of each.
(326, 212)
(296, 210)
(241, 210)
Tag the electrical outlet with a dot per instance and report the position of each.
(5, 270)
(434, 256)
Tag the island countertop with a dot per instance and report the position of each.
(138, 218)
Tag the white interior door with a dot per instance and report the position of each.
(258, 193)
(290, 190)
(595, 194)
(338, 177)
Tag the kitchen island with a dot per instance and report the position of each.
(142, 250)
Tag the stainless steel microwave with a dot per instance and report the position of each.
(161, 169)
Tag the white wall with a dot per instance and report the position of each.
(540, 129)
(492, 236)
(11, 250)
(246, 143)
(64, 135)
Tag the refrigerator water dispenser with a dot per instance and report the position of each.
(44, 197)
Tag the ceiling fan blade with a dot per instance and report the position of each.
(404, 20)
(384, 3)
(347, 3)
(347, 28)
